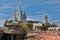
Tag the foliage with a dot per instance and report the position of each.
(45, 26)
(30, 26)
(33, 21)
(24, 26)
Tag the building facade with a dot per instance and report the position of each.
(36, 26)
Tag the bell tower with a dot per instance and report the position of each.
(45, 18)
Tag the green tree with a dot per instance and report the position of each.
(45, 26)
(24, 25)
(30, 26)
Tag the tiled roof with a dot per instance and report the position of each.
(46, 36)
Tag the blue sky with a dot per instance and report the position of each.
(33, 8)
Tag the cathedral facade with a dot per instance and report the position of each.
(19, 15)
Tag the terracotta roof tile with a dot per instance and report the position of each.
(45, 36)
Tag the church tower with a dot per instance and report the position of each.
(45, 18)
(19, 14)
(24, 17)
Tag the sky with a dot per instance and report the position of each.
(35, 9)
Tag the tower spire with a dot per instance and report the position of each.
(24, 16)
(15, 14)
(19, 9)
(19, 14)
(45, 18)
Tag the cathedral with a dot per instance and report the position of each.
(19, 15)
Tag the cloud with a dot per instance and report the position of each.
(34, 18)
(54, 1)
(30, 19)
(57, 21)
(2, 23)
(5, 16)
(7, 7)
(8, 4)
